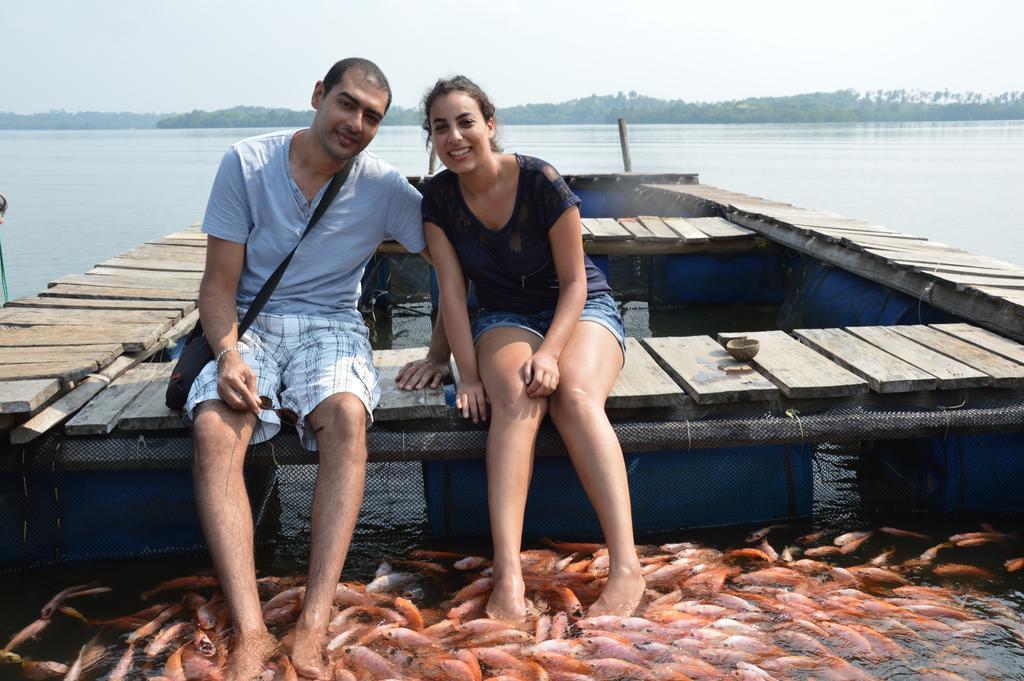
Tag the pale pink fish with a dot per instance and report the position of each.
(844, 539)
(930, 555)
(182, 584)
(751, 672)
(883, 559)
(457, 670)
(471, 563)
(75, 671)
(748, 644)
(39, 670)
(676, 548)
(29, 632)
(935, 674)
(346, 595)
(844, 639)
(346, 637)
(788, 554)
(470, 609)
(52, 604)
(819, 551)
(407, 609)
(801, 642)
(204, 645)
(854, 544)
(153, 625)
(734, 602)
(124, 665)
(542, 628)
(812, 537)
(364, 659)
(772, 554)
(612, 668)
(556, 662)
(496, 658)
(391, 582)
(476, 588)
(559, 625)
(719, 655)
(166, 636)
(961, 571)
(604, 646)
(407, 638)
(773, 575)
(1014, 564)
(758, 535)
(875, 575)
(907, 534)
(942, 611)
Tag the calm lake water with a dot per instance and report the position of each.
(80, 197)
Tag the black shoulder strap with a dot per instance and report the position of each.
(325, 201)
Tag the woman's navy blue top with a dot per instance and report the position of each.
(512, 268)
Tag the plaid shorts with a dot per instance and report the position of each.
(299, 362)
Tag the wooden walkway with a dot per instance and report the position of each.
(61, 348)
(690, 377)
(985, 290)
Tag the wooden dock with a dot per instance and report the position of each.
(75, 356)
(985, 290)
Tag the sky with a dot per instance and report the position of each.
(163, 56)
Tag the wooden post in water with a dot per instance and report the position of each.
(432, 165)
(627, 162)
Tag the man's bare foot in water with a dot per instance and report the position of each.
(508, 600)
(249, 656)
(308, 653)
(621, 594)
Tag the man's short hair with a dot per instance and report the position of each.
(370, 71)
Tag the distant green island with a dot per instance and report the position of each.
(842, 106)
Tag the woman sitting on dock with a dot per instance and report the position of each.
(548, 336)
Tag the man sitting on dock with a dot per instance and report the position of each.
(308, 350)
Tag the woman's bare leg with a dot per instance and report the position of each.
(515, 418)
(588, 367)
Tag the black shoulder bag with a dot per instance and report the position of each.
(197, 352)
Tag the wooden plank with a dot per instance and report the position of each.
(182, 287)
(949, 372)
(992, 342)
(687, 232)
(189, 235)
(659, 229)
(642, 383)
(939, 258)
(24, 397)
(883, 372)
(868, 241)
(28, 316)
(396, 404)
(102, 353)
(169, 241)
(707, 372)
(637, 229)
(797, 370)
(182, 306)
(100, 415)
(585, 232)
(927, 268)
(67, 372)
(183, 275)
(148, 411)
(133, 337)
(720, 229)
(166, 252)
(155, 265)
(96, 292)
(606, 229)
(962, 281)
(1004, 373)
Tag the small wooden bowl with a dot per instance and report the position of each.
(743, 349)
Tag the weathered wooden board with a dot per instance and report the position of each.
(939, 258)
(883, 372)
(148, 411)
(102, 353)
(24, 397)
(719, 229)
(67, 372)
(133, 337)
(659, 229)
(866, 241)
(949, 372)
(145, 274)
(927, 268)
(797, 370)
(642, 383)
(962, 281)
(637, 229)
(29, 316)
(193, 235)
(687, 232)
(607, 229)
(181, 287)
(166, 252)
(1007, 294)
(182, 306)
(100, 416)
(707, 372)
(155, 265)
(587, 234)
(96, 292)
(1004, 373)
(396, 404)
(992, 342)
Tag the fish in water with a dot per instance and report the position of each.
(741, 612)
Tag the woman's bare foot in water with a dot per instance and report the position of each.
(308, 653)
(621, 594)
(249, 656)
(508, 600)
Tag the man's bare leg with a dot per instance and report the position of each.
(221, 438)
(339, 423)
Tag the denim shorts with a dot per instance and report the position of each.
(601, 309)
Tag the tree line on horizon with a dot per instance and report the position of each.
(842, 106)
